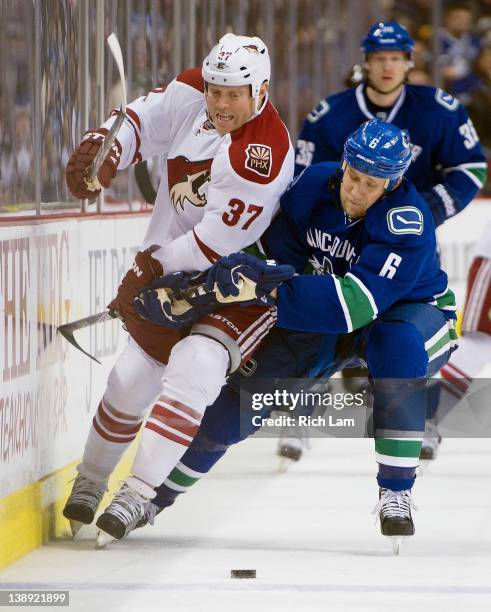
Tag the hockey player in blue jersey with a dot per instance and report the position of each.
(448, 165)
(377, 287)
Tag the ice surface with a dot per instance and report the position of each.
(308, 533)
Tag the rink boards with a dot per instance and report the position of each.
(52, 272)
(56, 271)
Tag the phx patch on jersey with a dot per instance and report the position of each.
(187, 181)
(259, 159)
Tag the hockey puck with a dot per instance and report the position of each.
(243, 573)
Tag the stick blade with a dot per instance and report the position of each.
(68, 335)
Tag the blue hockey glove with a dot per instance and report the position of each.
(171, 301)
(442, 206)
(245, 279)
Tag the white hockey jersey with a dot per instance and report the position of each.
(218, 193)
(483, 246)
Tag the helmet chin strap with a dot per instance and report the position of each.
(257, 106)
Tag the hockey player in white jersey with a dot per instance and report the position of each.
(228, 159)
(474, 353)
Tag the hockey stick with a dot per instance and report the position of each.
(246, 286)
(144, 182)
(67, 330)
(91, 173)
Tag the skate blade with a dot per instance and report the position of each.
(397, 542)
(283, 464)
(103, 539)
(424, 467)
(75, 527)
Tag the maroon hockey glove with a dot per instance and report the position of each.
(81, 159)
(144, 270)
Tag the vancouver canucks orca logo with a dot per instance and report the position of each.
(187, 180)
(405, 220)
(321, 268)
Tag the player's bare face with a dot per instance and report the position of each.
(359, 191)
(229, 107)
(387, 70)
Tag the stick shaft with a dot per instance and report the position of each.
(104, 149)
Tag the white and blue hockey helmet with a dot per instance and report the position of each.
(387, 36)
(238, 60)
(379, 149)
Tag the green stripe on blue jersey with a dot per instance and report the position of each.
(440, 343)
(480, 173)
(443, 341)
(356, 300)
(398, 448)
(476, 171)
(445, 301)
(181, 479)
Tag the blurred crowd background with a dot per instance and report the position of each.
(57, 78)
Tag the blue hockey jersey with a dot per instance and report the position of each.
(368, 264)
(448, 166)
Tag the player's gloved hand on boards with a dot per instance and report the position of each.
(245, 279)
(82, 158)
(144, 270)
(174, 300)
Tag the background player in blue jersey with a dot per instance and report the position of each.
(377, 290)
(448, 165)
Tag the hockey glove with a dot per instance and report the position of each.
(245, 279)
(173, 300)
(82, 158)
(144, 270)
(442, 207)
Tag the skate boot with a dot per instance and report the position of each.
(290, 448)
(293, 441)
(148, 518)
(431, 441)
(83, 502)
(125, 511)
(394, 511)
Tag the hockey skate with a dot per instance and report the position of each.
(394, 511)
(125, 511)
(293, 441)
(431, 441)
(83, 502)
(149, 515)
(290, 448)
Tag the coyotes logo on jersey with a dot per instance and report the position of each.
(187, 180)
(259, 159)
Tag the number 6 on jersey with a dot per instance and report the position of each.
(390, 266)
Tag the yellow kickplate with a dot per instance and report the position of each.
(33, 515)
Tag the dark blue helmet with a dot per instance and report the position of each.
(387, 36)
(379, 149)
